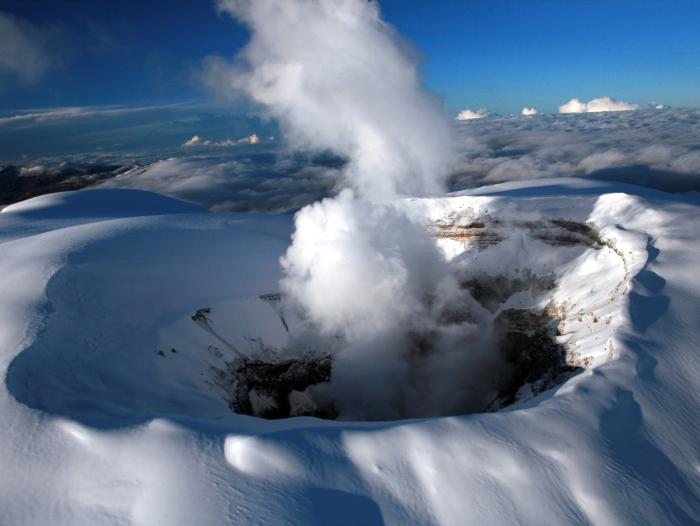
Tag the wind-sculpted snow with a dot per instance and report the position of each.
(98, 203)
(85, 310)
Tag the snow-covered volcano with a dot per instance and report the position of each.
(121, 312)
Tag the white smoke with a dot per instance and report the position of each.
(364, 271)
(358, 267)
(371, 278)
(337, 77)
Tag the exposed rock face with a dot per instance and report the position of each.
(488, 232)
(527, 342)
(272, 386)
(16, 185)
(279, 389)
(521, 320)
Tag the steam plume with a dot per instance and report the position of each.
(337, 77)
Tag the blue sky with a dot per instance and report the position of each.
(498, 54)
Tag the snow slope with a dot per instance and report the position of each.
(102, 428)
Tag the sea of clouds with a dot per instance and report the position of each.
(655, 148)
(271, 182)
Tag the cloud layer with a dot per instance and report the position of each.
(245, 183)
(646, 147)
(657, 148)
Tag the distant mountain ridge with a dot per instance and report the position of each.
(18, 183)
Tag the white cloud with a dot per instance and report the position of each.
(196, 140)
(193, 141)
(25, 54)
(44, 116)
(596, 105)
(29, 170)
(655, 154)
(688, 163)
(529, 111)
(658, 105)
(600, 160)
(574, 106)
(242, 184)
(58, 114)
(468, 115)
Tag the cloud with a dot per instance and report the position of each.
(196, 140)
(193, 141)
(468, 115)
(44, 116)
(596, 105)
(649, 145)
(25, 51)
(78, 112)
(146, 133)
(599, 160)
(653, 148)
(245, 183)
(658, 105)
(529, 111)
(251, 139)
